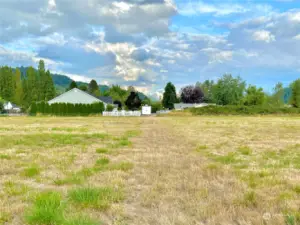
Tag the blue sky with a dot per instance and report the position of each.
(147, 43)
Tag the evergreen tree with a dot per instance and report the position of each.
(41, 80)
(31, 88)
(49, 87)
(169, 97)
(7, 84)
(93, 87)
(72, 85)
(18, 96)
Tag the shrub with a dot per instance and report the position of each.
(156, 106)
(66, 109)
(243, 110)
(109, 108)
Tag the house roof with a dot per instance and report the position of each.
(106, 100)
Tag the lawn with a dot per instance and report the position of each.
(150, 170)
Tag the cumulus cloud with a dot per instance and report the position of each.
(136, 42)
(263, 35)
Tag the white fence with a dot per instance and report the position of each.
(122, 113)
(163, 112)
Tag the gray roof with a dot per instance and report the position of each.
(106, 99)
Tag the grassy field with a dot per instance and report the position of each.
(154, 170)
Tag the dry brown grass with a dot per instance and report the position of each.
(171, 170)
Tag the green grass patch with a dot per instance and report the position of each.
(47, 209)
(81, 220)
(102, 150)
(250, 199)
(75, 178)
(132, 133)
(245, 150)
(14, 189)
(201, 148)
(296, 189)
(3, 156)
(51, 140)
(5, 217)
(292, 218)
(230, 158)
(100, 198)
(123, 166)
(32, 171)
(102, 162)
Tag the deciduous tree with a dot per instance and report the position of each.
(192, 94)
(295, 99)
(229, 90)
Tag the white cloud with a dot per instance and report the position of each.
(199, 7)
(263, 35)
(297, 37)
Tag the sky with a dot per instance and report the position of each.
(147, 43)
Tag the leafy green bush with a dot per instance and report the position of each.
(156, 106)
(109, 108)
(243, 110)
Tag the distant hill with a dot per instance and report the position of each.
(62, 82)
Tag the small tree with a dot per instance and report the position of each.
(254, 96)
(207, 87)
(83, 87)
(72, 85)
(295, 99)
(133, 101)
(169, 97)
(156, 106)
(229, 90)
(109, 108)
(192, 94)
(93, 87)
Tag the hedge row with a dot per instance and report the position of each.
(243, 110)
(66, 109)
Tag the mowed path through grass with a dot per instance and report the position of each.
(152, 170)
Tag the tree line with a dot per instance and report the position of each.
(34, 86)
(229, 90)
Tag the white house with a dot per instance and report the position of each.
(77, 96)
(10, 107)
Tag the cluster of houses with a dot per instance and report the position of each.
(77, 96)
